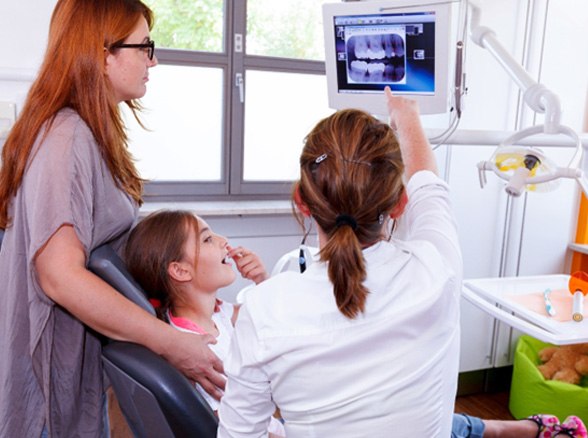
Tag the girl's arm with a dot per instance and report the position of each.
(62, 273)
(250, 266)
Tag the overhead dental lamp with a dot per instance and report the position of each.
(526, 167)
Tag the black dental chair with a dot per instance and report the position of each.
(155, 398)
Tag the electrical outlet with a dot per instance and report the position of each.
(7, 117)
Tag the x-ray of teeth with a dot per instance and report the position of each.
(376, 58)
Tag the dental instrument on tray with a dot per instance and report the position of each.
(578, 287)
(548, 304)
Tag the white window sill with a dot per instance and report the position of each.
(223, 208)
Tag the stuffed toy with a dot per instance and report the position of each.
(567, 363)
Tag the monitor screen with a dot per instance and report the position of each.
(370, 45)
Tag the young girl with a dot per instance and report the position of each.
(181, 263)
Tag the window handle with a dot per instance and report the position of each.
(239, 85)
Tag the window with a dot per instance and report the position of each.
(238, 86)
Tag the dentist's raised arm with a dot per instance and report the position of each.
(414, 145)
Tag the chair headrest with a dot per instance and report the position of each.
(106, 264)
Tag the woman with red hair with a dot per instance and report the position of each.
(67, 185)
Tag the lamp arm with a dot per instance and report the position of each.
(536, 96)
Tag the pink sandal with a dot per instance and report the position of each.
(574, 427)
(549, 426)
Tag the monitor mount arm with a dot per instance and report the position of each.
(539, 99)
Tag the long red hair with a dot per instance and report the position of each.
(73, 75)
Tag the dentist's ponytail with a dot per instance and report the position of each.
(350, 180)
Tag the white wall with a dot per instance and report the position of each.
(24, 25)
(23, 31)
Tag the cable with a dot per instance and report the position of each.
(442, 138)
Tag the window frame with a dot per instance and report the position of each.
(231, 185)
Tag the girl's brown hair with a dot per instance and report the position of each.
(73, 75)
(155, 243)
(350, 179)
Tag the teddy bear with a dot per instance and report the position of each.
(567, 363)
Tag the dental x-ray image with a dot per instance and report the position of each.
(376, 50)
(376, 58)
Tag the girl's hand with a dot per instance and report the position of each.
(248, 264)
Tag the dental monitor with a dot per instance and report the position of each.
(400, 43)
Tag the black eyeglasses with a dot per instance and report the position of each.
(148, 47)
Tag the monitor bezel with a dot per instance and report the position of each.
(435, 103)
